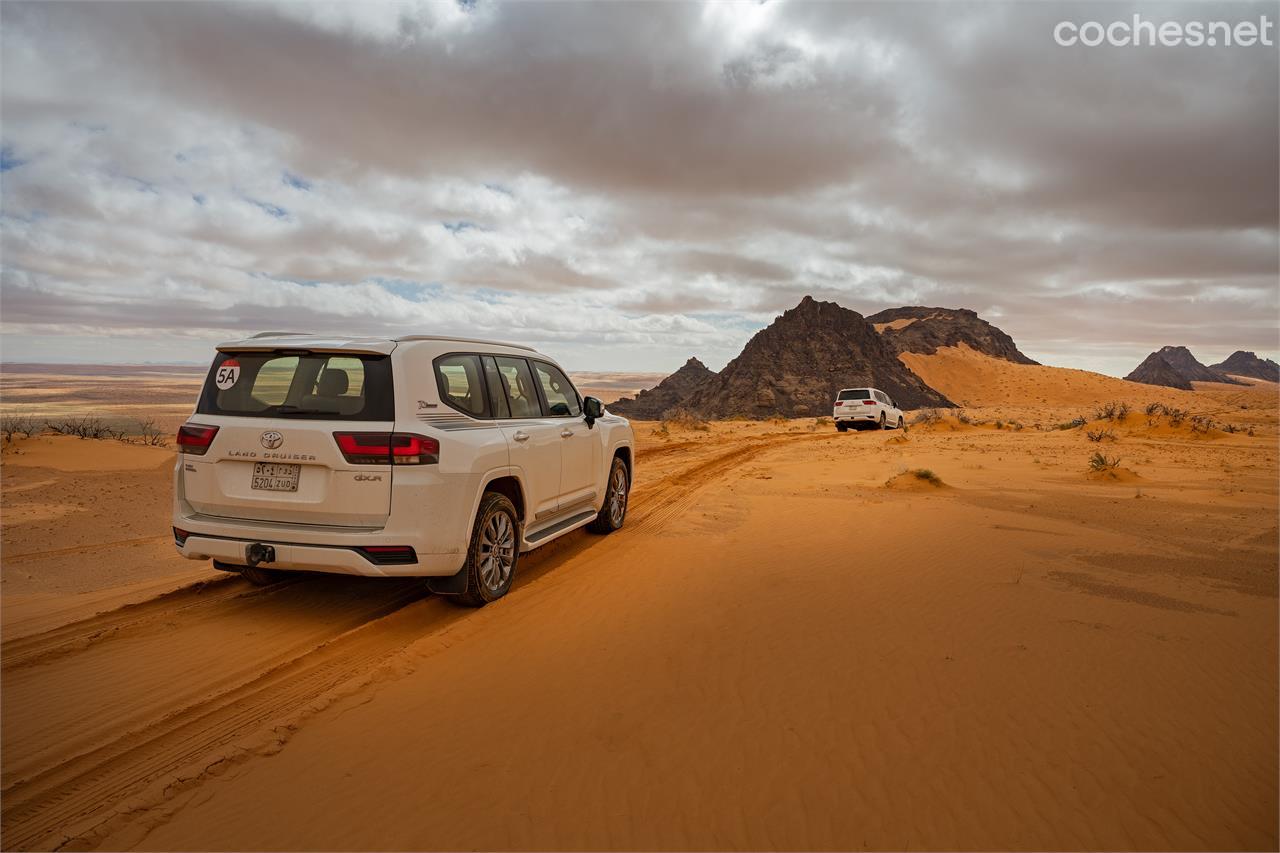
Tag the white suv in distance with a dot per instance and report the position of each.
(427, 456)
(866, 407)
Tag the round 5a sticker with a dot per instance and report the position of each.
(228, 373)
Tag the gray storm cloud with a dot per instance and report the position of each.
(630, 183)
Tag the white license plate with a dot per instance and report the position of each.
(275, 477)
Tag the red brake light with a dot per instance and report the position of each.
(196, 438)
(868, 402)
(387, 448)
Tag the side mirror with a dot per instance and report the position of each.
(591, 410)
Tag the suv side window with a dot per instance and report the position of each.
(882, 398)
(493, 381)
(461, 384)
(518, 387)
(562, 399)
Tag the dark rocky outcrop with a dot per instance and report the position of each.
(654, 403)
(796, 365)
(1243, 363)
(945, 327)
(1181, 359)
(1154, 370)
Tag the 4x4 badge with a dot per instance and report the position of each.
(271, 439)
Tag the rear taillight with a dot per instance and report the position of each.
(839, 403)
(387, 448)
(180, 536)
(868, 402)
(196, 438)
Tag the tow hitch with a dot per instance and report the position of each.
(259, 553)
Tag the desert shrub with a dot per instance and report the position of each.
(1113, 411)
(12, 425)
(1074, 423)
(1101, 435)
(1100, 462)
(999, 424)
(927, 416)
(1230, 428)
(1201, 423)
(682, 417)
(1250, 433)
(150, 434)
(927, 475)
(962, 417)
(1015, 425)
(83, 427)
(1152, 408)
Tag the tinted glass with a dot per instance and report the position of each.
(493, 380)
(307, 385)
(517, 385)
(461, 384)
(562, 399)
(855, 394)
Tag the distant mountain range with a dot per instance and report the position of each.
(796, 365)
(1242, 363)
(1176, 367)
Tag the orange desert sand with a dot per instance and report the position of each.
(800, 640)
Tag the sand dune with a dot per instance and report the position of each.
(797, 642)
(973, 379)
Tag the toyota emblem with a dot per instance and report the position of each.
(272, 439)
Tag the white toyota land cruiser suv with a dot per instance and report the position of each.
(439, 457)
(866, 407)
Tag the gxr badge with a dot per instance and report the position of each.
(271, 439)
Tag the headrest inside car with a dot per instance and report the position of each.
(333, 383)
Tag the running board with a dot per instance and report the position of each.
(539, 535)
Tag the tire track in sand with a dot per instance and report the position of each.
(45, 646)
(670, 496)
(78, 799)
(75, 799)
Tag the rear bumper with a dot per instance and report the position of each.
(334, 559)
(844, 417)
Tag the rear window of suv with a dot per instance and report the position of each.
(316, 386)
(855, 394)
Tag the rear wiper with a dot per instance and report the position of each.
(299, 410)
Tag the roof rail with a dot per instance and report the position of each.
(279, 334)
(463, 340)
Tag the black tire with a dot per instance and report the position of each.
(900, 422)
(882, 424)
(842, 427)
(616, 496)
(496, 532)
(259, 576)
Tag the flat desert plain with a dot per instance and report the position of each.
(954, 637)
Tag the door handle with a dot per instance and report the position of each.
(521, 436)
(565, 433)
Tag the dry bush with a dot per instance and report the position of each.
(150, 434)
(82, 427)
(1152, 408)
(1101, 435)
(961, 416)
(1099, 462)
(1074, 423)
(1113, 411)
(927, 416)
(927, 475)
(12, 425)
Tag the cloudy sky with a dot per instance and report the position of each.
(625, 185)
